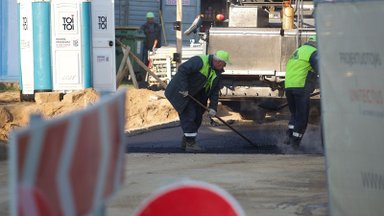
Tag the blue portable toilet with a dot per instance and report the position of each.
(34, 45)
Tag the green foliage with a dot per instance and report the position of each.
(8, 87)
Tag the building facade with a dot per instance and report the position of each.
(9, 57)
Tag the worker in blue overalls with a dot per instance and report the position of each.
(198, 77)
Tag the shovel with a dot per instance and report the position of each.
(271, 105)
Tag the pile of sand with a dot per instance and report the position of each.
(14, 113)
(144, 108)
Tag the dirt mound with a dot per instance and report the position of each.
(144, 108)
(14, 113)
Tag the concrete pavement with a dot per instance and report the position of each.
(263, 184)
(266, 185)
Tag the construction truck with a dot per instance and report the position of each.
(260, 36)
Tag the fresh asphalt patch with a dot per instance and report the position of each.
(219, 139)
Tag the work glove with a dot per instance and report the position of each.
(211, 112)
(184, 93)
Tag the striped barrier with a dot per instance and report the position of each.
(70, 165)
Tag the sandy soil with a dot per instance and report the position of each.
(144, 108)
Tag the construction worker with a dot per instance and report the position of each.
(198, 77)
(152, 32)
(300, 80)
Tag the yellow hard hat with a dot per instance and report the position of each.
(150, 15)
(223, 56)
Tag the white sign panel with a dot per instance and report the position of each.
(350, 37)
(174, 2)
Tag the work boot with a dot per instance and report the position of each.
(184, 142)
(189, 144)
(288, 136)
(295, 140)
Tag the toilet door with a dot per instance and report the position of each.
(103, 43)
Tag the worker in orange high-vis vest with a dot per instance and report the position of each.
(300, 81)
(200, 78)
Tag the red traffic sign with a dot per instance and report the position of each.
(191, 198)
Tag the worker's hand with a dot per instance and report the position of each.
(154, 49)
(184, 93)
(211, 112)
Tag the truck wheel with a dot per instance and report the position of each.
(259, 115)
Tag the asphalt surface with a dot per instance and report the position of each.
(266, 138)
(269, 179)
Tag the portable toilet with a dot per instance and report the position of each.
(35, 56)
(71, 44)
(103, 46)
(26, 49)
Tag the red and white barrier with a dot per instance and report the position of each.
(69, 165)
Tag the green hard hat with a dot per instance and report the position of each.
(150, 15)
(312, 38)
(223, 56)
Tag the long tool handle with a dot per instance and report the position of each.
(233, 129)
(138, 61)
